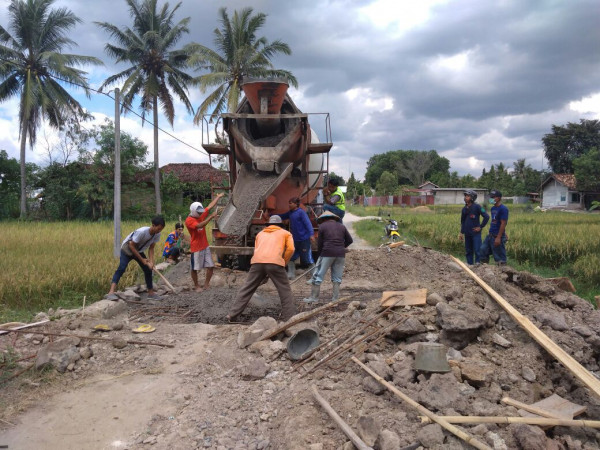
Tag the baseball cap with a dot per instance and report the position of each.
(274, 219)
(495, 193)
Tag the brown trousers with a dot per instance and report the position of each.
(256, 275)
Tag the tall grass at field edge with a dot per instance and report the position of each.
(47, 265)
(551, 244)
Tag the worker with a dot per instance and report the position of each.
(334, 199)
(303, 235)
(494, 243)
(273, 249)
(172, 248)
(201, 257)
(470, 226)
(133, 248)
(332, 243)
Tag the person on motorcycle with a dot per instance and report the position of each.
(470, 226)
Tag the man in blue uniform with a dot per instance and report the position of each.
(494, 243)
(470, 227)
(302, 232)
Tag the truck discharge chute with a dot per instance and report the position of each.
(272, 155)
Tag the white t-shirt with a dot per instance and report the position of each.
(142, 238)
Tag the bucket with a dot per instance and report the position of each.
(431, 357)
(301, 343)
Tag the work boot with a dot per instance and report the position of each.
(291, 267)
(314, 295)
(336, 292)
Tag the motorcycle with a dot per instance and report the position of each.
(391, 230)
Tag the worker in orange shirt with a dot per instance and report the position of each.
(273, 249)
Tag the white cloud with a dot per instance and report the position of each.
(397, 17)
(589, 106)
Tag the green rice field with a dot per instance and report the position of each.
(551, 243)
(46, 265)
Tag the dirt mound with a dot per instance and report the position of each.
(209, 393)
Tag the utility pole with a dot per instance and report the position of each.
(117, 187)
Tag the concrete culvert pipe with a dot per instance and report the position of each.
(301, 343)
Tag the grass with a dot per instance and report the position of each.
(551, 244)
(50, 265)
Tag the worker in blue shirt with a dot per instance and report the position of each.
(303, 234)
(494, 243)
(470, 227)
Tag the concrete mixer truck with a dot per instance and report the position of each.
(271, 154)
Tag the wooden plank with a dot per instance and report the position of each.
(407, 298)
(357, 441)
(24, 327)
(551, 347)
(396, 244)
(299, 318)
(553, 406)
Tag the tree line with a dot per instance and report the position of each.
(77, 183)
(35, 67)
(569, 149)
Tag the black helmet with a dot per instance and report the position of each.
(495, 193)
(471, 193)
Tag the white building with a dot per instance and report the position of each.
(560, 191)
(455, 196)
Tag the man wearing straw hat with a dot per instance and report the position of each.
(332, 242)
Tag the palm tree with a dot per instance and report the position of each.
(156, 69)
(32, 66)
(239, 55)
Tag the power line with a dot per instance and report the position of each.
(124, 106)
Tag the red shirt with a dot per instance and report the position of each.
(198, 236)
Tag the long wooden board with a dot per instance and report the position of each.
(551, 347)
(407, 298)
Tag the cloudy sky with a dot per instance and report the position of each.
(479, 81)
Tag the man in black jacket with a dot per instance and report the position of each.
(470, 227)
(332, 242)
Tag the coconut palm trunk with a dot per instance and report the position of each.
(156, 166)
(156, 68)
(23, 171)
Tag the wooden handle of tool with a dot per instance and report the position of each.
(164, 279)
(357, 441)
(540, 421)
